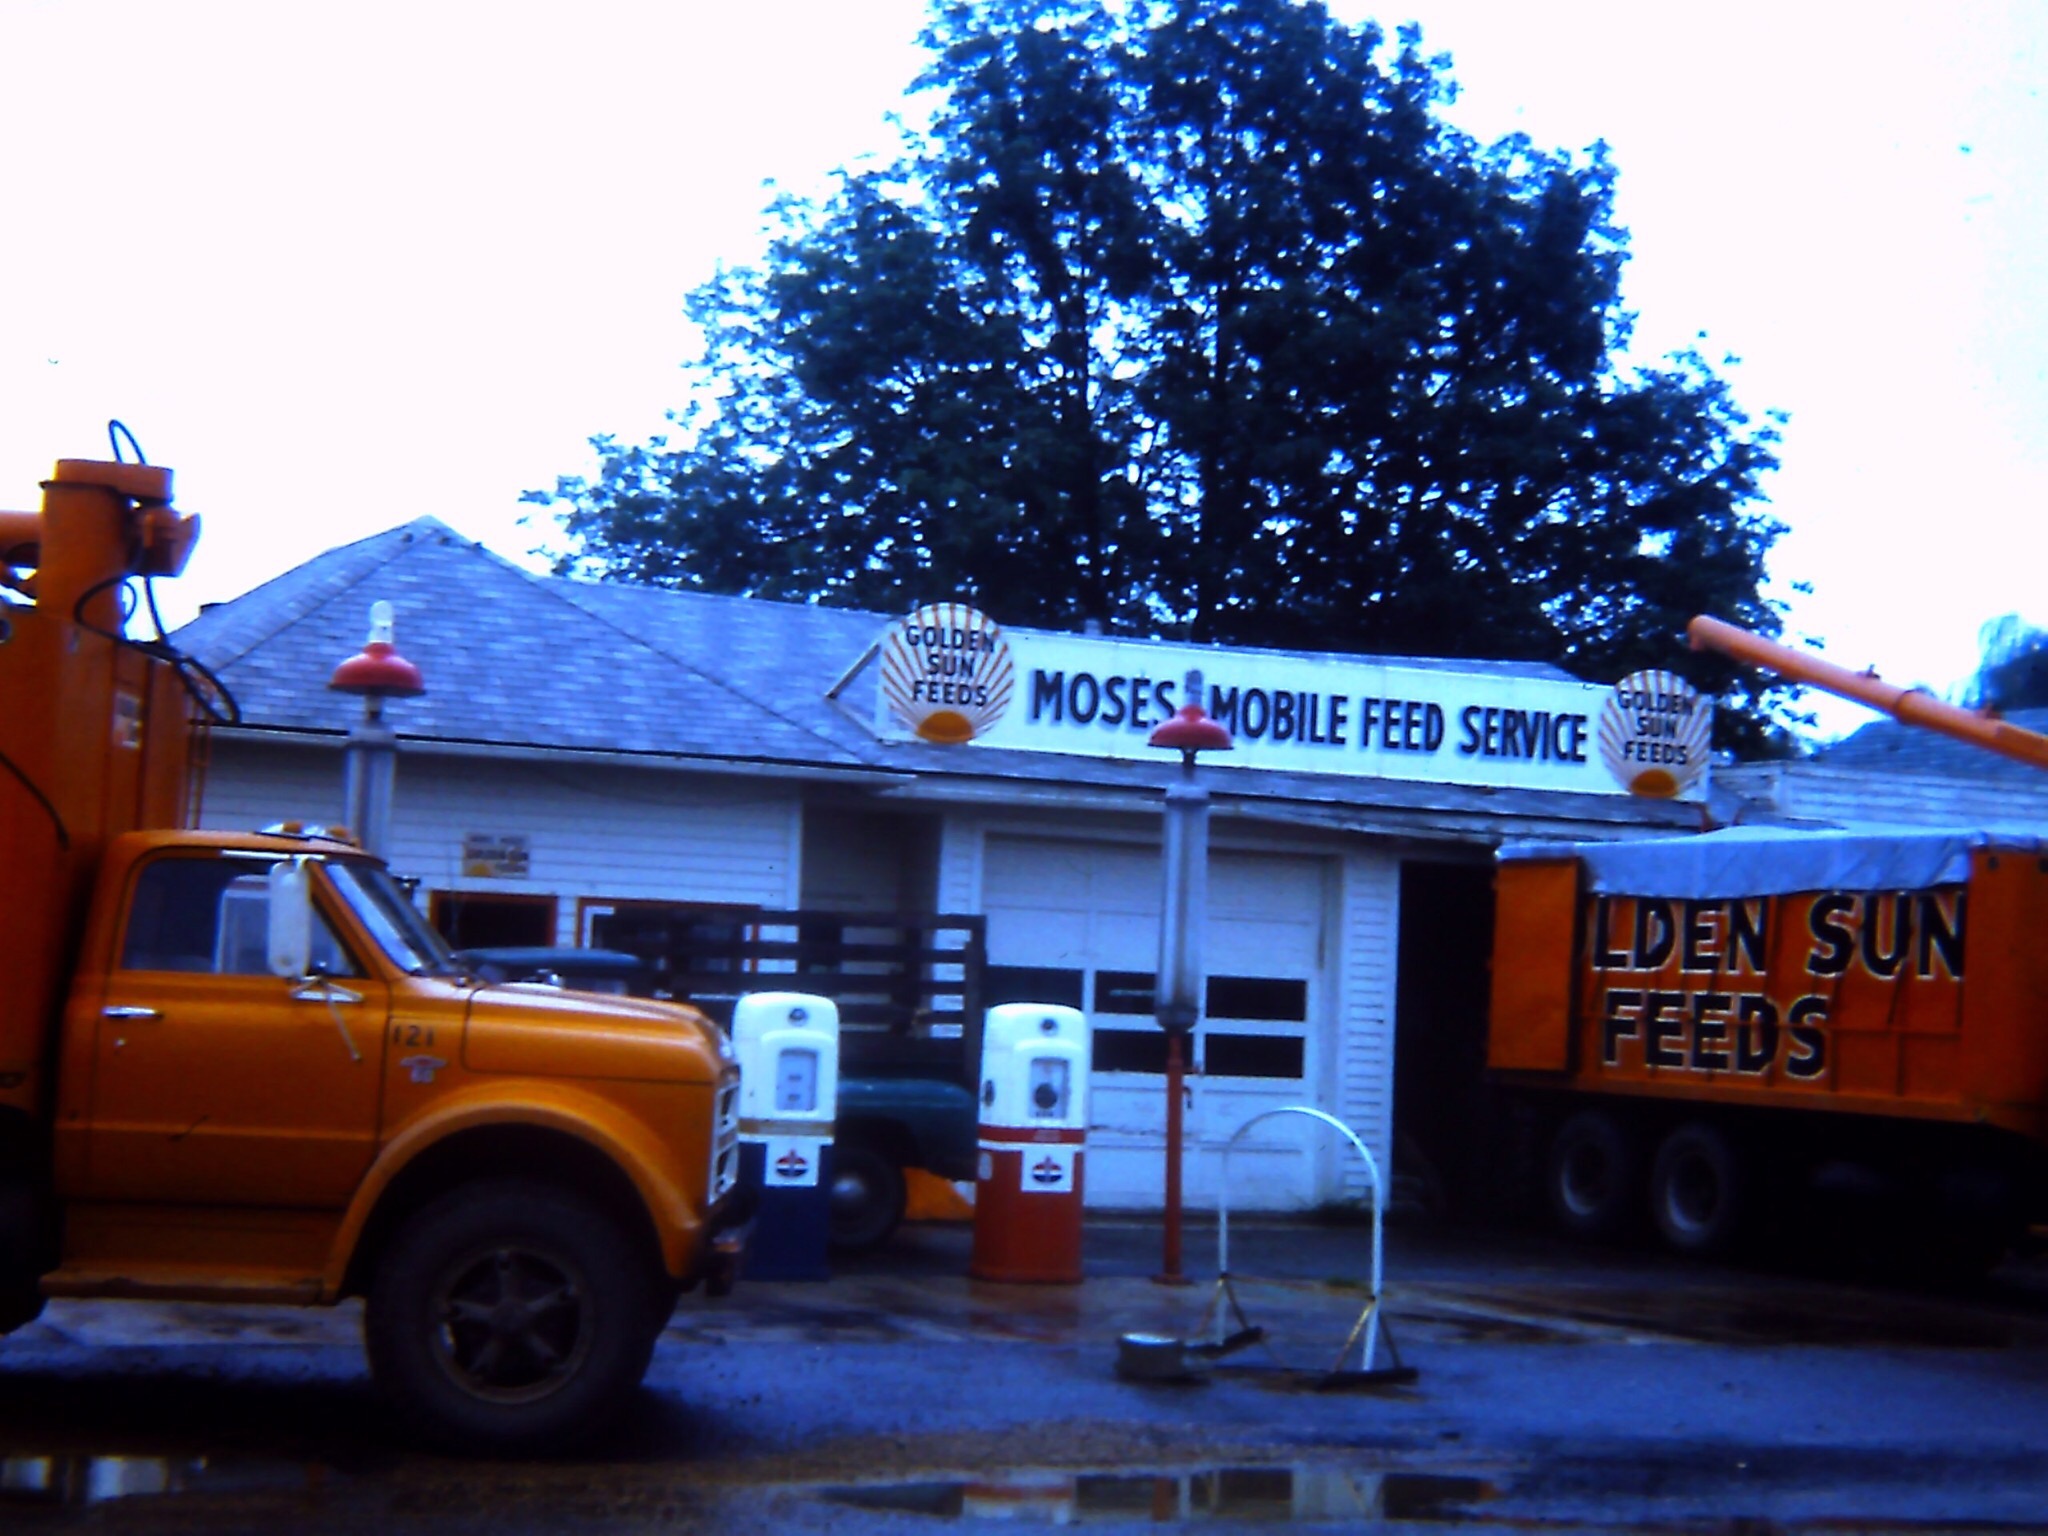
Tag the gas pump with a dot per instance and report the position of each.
(1034, 1130)
(788, 1049)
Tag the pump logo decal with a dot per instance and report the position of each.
(1653, 734)
(787, 1162)
(947, 674)
(1047, 1170)
(422, 1068)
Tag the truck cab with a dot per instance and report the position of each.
(239, 1066)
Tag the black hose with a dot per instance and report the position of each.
(63, 836)
(201, 683)
(116, 430)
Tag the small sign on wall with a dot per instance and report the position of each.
(495, 856)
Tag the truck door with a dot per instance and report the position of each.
(216, 1082)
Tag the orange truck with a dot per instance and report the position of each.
(1709, 1029)
(241, 1067)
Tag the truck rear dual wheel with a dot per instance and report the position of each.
(1594, 1175)
(1697, 1194)
(511, 1318)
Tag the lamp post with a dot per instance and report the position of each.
(1177, 991)
(377, 672)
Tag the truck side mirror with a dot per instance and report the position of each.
(291, 919)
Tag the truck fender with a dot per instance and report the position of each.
(540, 1105)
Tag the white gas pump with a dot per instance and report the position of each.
(788, 1049)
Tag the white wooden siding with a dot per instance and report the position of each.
(593, 831)
(1368, 950)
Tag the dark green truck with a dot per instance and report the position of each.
(910, 989)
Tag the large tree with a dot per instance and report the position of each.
(1196, 317)
(2012, 672)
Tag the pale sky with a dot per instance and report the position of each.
(340, 266)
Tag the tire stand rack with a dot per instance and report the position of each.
(1153, 1357)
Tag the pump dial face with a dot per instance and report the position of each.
(796, 1082)
(1048, 1089)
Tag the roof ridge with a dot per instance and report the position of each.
(696, 595)
(1467, 665)
(335, 559)
(670, 656)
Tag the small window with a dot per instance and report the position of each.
(1125, 992)
(174, 920)
(1032, 984)
(212, 917)
(1252, 1492)
(243, 948)
(1252, 1055)
(1132, 1050)
(1278, 999)
(484, 920)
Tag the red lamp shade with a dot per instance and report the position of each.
(1190, 730)
(378, 671)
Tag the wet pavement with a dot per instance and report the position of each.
(1553, 1386)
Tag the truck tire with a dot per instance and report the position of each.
(1593, 1175)
(21, 1225)
(1697, 1195)
(867, 1197)
(511, 1318)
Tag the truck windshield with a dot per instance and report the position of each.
(381, 907)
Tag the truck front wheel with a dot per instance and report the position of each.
(510, 1318)
(1594, 1175)
(1696, 1191)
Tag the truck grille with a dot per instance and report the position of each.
(725, 1140)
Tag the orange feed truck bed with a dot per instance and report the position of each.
(1896, 973)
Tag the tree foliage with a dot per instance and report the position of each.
(2013, 670)
(1196, 317)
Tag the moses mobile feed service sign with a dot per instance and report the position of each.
(949, 674)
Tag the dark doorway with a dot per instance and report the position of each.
(1442, 1139)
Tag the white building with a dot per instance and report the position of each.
(607, 764)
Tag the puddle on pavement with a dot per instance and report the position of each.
(1264, 1494)
(1702, 1314)
(73, 1482)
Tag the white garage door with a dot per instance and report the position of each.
(1078, 923)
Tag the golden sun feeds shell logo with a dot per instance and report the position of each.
(947, 673)
(1654, 732)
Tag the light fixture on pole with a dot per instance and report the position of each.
(377, 673)
(1177, 995)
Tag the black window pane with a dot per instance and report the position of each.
(1253, 1491)
(1252, 1055)
(1124, 1493)
(174, 922)
(1032, 984)
(1284, 1000)
(1124, 992)
(1130, 1050)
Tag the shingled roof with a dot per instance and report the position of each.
(515, 660)
(508, 660)
(1891, 748)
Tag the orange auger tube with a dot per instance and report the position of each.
(1912, 706)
